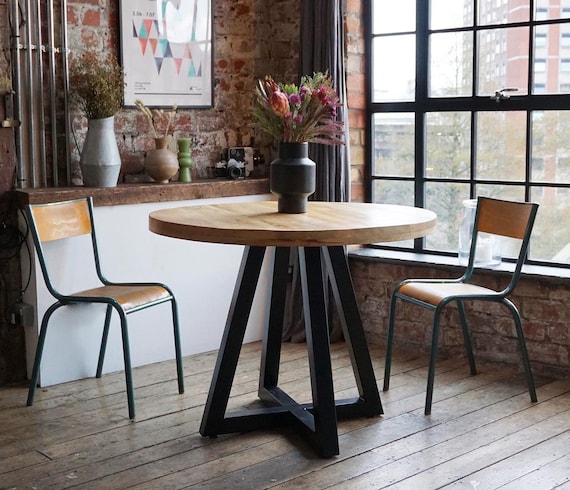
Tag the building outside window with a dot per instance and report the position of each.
(469, 98)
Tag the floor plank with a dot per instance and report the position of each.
(483, 432)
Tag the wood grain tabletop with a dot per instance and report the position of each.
(324, 224)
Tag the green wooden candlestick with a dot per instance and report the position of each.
(184, 159)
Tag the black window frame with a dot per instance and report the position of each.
(423, 105)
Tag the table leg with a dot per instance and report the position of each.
(232, 340)
(271, 349)
(369, 403)
(324, 433)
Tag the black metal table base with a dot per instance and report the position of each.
(318, 420)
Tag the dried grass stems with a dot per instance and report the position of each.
(161, 121)
(97, 85)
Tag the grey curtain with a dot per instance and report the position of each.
(322, 50)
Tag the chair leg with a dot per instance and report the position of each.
(177, 346)
(389, 341)
(523, 349)
(104, 341)
(127, 361)
(39, 352)
(432, 359)
(467, 337)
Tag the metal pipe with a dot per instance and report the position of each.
(52, 92)
(40, 129)
(65, 76)
(15, 46)
(30, 103)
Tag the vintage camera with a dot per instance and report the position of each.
(235, 163)
(232, 169)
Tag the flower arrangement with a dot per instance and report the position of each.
(304, 113)
(97, 85)
(161, 122)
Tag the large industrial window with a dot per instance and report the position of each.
(471, 98)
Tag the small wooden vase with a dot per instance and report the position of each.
(161, 164)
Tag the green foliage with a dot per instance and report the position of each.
(97, 85)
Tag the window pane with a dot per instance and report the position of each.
(501, 145)
(544, 10)
(388, 16)
(451, 66)
(448, 145)
(503, 60)
(498, 191)
(550, 153)
(393, 137)
(390, 83)
(502, 12)
(551, 70)
(445, 14)
(551, 234)
(446, 200)
(394, 192)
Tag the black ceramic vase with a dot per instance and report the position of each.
(292, 177)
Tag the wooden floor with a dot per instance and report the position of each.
(483, 432)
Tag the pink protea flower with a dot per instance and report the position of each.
(304, 113)
(279, 103)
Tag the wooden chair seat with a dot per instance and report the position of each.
(434, 293)
(129, 297)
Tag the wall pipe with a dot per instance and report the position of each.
(40, 133)
(51, 52)
(15, 46)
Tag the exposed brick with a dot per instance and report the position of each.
(92, 17)
(493, 333)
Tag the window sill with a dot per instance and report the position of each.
(148, 192)
(444, 262)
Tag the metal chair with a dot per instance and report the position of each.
(495, 217)
(62, 220)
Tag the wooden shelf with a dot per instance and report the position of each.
(147, 192)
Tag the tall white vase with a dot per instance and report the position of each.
(100, 159)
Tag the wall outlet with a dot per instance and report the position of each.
(22, 315)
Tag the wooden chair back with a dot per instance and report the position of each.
(505, 218)
(55, 221)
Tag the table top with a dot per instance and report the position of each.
(324, 224)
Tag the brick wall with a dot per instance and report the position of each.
(251, 38)
(356, 95)
(542, 303)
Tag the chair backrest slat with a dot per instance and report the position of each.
(61, 220)
(505, 218)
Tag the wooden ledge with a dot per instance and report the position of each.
(148, 192)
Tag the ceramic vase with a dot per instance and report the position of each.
(161, 164)
(292, 177)
(184, 159)
(100, 160)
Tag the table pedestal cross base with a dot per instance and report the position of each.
(317, 420)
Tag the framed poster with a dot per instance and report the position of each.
(166, 52)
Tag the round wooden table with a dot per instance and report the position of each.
(319, 236)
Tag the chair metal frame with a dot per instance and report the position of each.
(493, 216)
(67, 219)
